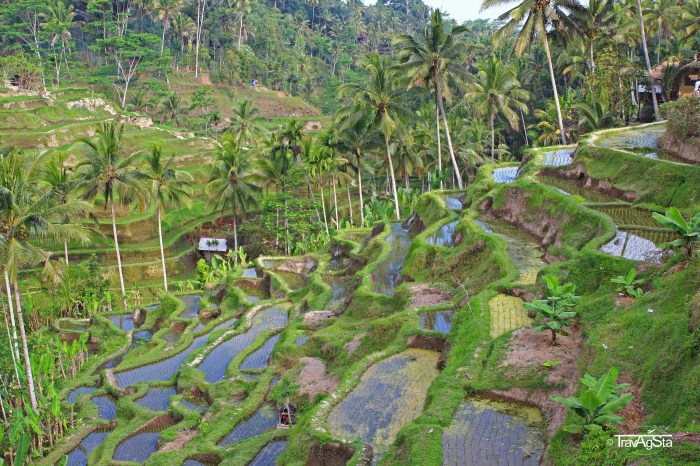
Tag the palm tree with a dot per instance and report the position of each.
(183, 26)
(690, 18)
(497, 92)
(245, 122)
(171, 106)
(661, 15)
(27, 215)
(356, 136)
(317, 165)
(640, 15)
(169, 187)
(289, 139)
(58, 174)
(435, 59)
(379, 97)
(166, 10)
(592, 20)
(109, 174)
(538, 16)
(243, 7)
(234, 182)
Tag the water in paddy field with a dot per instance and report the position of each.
(191, 307)
(491, 432)
(453, 203)
(156, 399)
(634, 247)
(250, 272)
(522, 248)
(137, 448)
(437, 321)
(138, 338)
(194, 407)
(106, 408)
(170, 338)
(259, 359)
(301, 340)
(123, 321)
(505, 175)
(624, 215)
(162, 370)
(387, 274)
(78, 392)
(264, 419)
(443, 237)
(78, 456)
(558, 158)
(389, 395)
(269, 453)
(215, 363)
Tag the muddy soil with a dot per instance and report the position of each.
(425, 295)
(313, 378)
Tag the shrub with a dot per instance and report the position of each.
(683, 117)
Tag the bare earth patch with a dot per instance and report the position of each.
(529, 349)
(183, 437)
(313, 378)
(353, 344)
(425, 295)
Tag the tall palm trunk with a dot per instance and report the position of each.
(323, 206)
(449, 140)
(335, 200)
(119, 257)
(15, 347)
(162, 39)
(646, 57)
(562, 130)
(493, 137)
(25, 348)
(65, 250)
(240, 32)
(592, 59)
(308, 187)
(162, 250)
(359, 188)
(393, 180)
(437, 130)
(347, 186)
(235, 233)
(10, 341)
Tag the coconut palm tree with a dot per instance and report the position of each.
(26, 216)
(317, 165)
(166, 10)
(435, 59)
(379, 97)
(109, 175)
(245, 122)
(171, 106)
(497, 92)
(169, 188)
(538, 16)
(234, 181)
(593, 20)
(356, 136)
(243, 7)
(58, 174)
(654, 101)
(289, 145)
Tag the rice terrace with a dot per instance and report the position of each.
(350, 232)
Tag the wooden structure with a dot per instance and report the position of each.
(286, 415)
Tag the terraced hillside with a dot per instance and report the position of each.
(409, 343)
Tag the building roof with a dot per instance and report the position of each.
(213, 244)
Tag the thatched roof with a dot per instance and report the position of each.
(692, 66)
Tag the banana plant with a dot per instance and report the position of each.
(595, 408)
(689, 230)
(627, 283)
(556, 309)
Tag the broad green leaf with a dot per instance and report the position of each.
(589, 400)
(616, 404)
